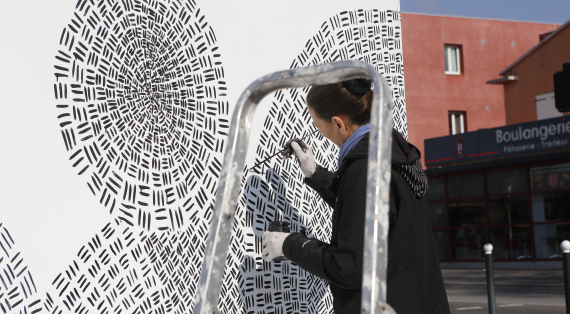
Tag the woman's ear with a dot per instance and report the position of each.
(340, 123)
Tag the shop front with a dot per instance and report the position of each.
(509, 186)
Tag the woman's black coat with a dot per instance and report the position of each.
(415, 284)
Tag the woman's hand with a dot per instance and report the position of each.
(273, 244)
(304, 156)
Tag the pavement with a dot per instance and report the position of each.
(516, 291)
(528, 281)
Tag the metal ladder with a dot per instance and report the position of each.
(377, 190)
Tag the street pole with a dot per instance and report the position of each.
(565, 246)
(488, 248)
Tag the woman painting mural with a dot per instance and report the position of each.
(341, 112)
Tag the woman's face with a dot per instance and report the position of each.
(328, 129)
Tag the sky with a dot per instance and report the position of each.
(549, 11)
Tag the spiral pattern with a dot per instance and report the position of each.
(141, 94)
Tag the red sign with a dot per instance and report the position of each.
(550, 177)
(460, 147)
(552, 180)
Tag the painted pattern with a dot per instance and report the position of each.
(275, 190)
(18, 293)
(143, 114)
(141, 94)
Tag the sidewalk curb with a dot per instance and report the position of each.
(506, 288)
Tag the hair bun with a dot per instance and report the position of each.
(357, 87)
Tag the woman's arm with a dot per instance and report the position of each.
(321, 181)
(341, 263)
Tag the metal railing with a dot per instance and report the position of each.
(377, 191)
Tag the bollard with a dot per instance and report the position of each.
(565, 246)
(488, 248)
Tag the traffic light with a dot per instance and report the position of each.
(562, 88)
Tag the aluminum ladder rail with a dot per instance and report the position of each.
(377, 191)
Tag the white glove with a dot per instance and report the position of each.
(305, 157)
(273, 244)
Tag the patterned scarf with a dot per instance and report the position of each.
(352, 141)
(415, 176)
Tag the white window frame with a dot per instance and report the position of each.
(451, 116)
(452, 50)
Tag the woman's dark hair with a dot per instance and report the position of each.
(352, 98)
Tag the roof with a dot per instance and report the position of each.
(503, 80)
(535, 48)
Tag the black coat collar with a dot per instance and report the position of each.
(402, 151)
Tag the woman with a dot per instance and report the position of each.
(341, 112)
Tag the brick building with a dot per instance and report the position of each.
(507, 184)
(528, 82)
(448, 61)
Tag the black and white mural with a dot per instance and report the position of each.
(275, 189)
(128, 269)
(143, 105)
(141, 92)
(144, 115)
(18, 292)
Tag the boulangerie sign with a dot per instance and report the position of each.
(528, 137)
(113, 131)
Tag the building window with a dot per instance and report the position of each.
(452, 59)
(457, 122)
(523, 211)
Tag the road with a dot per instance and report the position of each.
(475, 302)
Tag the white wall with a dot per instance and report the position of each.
(50, 212)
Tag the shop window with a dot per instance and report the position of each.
(437, 214)
(465, 186)
(551, 198)
(505, 182)
(457, 122)
(524, 213)
(547, 239)
(551, 206)
(452, 59)
(466, 212)
(511, 242)
(436, 189)
(467, 244)
(508, 209)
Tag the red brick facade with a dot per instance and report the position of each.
(487, 48)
